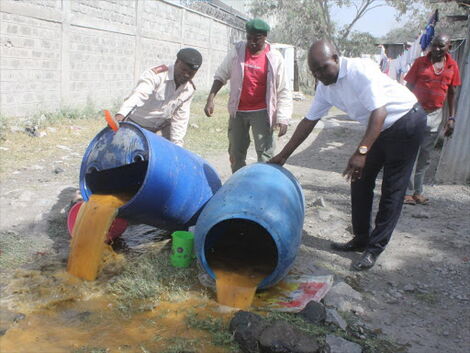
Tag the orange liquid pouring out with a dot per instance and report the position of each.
(89, 234)
(240, 263)
(237, 288)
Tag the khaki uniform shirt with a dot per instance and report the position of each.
(157, 105)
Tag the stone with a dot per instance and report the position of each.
(409, 288)
(314, 312)
(320, 202)
(340, 345)
(343, 297)
(324, 215)
(206, 280)
(62, 147)
(32, 131)
(19, 317)
(333, 317)
(281, 337)
(420, 215)
(247, 328)
(58, 170)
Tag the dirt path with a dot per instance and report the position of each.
(418, 294)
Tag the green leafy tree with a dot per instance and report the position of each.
(300, 22)
(359, 43)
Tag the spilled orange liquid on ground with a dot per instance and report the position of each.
(89, 234)
(96, 326)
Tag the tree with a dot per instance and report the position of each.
(296, 22)
(418, 20)
(359, 43)
(299, 22)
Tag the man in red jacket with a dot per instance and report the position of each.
(432, 78)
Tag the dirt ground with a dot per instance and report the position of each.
(418, 294)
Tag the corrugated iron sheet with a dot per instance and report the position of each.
(454, 164)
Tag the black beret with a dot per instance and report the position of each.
(190, 57)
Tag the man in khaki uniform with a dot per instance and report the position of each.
(161, 99)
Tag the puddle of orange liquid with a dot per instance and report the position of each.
(97, 326)
(89, 234)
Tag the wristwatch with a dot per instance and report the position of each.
(363, 150)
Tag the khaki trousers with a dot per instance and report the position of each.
(239, 137)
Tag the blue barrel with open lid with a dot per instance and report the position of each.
(257, 215)
(168, 185)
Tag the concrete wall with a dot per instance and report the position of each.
(65, 53)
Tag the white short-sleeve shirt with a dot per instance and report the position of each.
(361, 88)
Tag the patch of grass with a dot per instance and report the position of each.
(150, 276)
(295, 320)
(16, 250)
(88, 349)
(4, 125)
(180, 345)
(428, 298)
(63, 138)
(216, 327)
(208, 134)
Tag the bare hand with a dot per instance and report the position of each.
(449, 128)
(278, 159)
(354, 168)
(209, 108)
(119, 117)
(282, 129)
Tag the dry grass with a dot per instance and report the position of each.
(150, 278)
(67, 133)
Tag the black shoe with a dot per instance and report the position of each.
(351, 245)
(366, 261)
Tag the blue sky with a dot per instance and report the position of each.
(377, 21)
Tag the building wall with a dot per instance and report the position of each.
(67, 53)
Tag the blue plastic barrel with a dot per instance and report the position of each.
(257, 198)
(169, 184)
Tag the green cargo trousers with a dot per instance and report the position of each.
(239, 137)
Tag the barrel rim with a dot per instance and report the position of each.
(85, 191)
(267, 281)
(143, 132)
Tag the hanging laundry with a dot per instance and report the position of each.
(428, 34)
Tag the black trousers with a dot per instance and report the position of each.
(395, 151)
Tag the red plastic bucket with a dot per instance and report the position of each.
(118, 226)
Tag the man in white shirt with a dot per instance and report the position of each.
(395, 126)
(161, 99)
